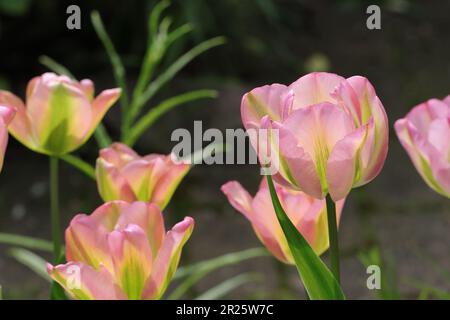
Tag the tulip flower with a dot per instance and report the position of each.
(425, 135)
(121, 251)
(332, 132)
(308, 214)
(6, 115)
(60, 114)
(124, 175)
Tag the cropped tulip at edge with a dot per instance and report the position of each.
(6, 115)
(333, 132)
(308, 214)
(120, 251)
(425, 135)
(60, 113)
(124, 175)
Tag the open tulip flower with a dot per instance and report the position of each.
(308, 214)
(425, 135)
(6, 115)
(121, 251)
(60, 114)
(333, 132)
(124, 175)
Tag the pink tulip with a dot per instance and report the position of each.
(308, 214)
(60, 113)
(333, 132)
(6, 115)
(123, 175)
(425, 135)
(120, 251)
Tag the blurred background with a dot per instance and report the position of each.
(395, 221)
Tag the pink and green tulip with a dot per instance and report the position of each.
(6, 115)
(60, 114)
(124, 175)
(121, 251)
(333, 132)
(425, 135)
(308, 214)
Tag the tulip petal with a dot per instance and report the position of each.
(269, 100)
(118, 154)
(87, 86)
(358, 97)
(238, 197)
(100, 106)
(149, 218)
(267, 227)
(299, 164)
(167, 260)
(108, 214)
(20, 126)
(343, 165)
(418, 150)
(132, 258)
(425, 113)
(111, 184)
(138, 174)
(6, 115)
(447, 100)
(168, 183)
(86, 242)
(314, 88)
(61, 114)
(306, 148)
(84, 283)
(259, 211)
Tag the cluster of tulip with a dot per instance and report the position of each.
(333, 136)
(121, 250)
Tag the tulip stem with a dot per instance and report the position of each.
(333, 236)
(54, 208)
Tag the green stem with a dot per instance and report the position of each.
(333, 236)
(54, 208)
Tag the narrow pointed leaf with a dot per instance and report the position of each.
(318, 280)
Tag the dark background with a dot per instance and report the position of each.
(267, 41)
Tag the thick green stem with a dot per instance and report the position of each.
(333, 236)
(54, 209)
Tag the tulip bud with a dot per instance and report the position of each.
(425, 135)
(60, 113)
(121, 251)
(124, 175)
(6, 115)
(332, 132)
(308, 214)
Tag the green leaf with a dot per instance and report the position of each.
(15, 8)
(178, 33)
(194, 273)
(205, 153)
(31, 260)
(153, 20)
(55, 66)
(57, 292)
(155, 113)
(171, 71)
(102, 137)
(228, 286)
(319, 282)
(27, 242)
(80, 164)
(116, 62)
